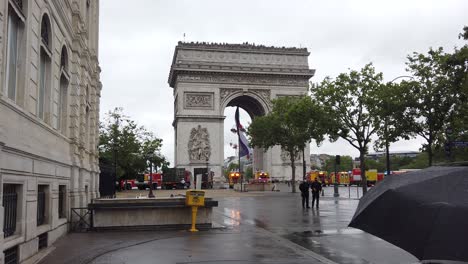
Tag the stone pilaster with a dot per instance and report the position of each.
(2, 211)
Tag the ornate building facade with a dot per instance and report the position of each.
(49, 112)
(208, 77)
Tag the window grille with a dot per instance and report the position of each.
(10, 204)
(41, 205)
(61, 207)
(42, 241)
(11, 255)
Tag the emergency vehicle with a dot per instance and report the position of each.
(261, 176)
(234, 177)
(343, 178)
(143, 180)
(322, 175)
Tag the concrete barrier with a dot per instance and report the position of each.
(254, 187)
(145, 213)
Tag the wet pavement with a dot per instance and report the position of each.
(268, 227)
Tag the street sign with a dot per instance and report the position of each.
(460, 143)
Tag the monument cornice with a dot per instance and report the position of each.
(283, 79)
(244, 47)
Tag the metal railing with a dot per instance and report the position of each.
(10, 203)
(81, 219)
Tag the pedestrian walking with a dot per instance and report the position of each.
(304, 188)
(316, 187)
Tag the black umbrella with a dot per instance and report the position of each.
(423, 212)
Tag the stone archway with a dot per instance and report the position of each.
(207, 78)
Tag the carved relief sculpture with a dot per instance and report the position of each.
(198, 100)
(238, 79)
(226, 92)
(263, 93)
(199, 148)
(286, 158)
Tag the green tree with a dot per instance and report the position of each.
(420, 162)
(292, 123)
(127, 146)
(433, 96)
(346, 164)
(249, 173)
(392, 109)
(231, 167)
(349, 99)
(458, 63)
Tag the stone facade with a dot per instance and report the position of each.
(49, 111)
(207, 78)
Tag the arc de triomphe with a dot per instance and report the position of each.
(207, 78)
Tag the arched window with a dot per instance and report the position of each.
(15, 25)
(45, 31)
(62, 105)
(64, 59)
(44, 70)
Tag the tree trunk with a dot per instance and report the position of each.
(303, 165)
(429, 151)
(387, 150)
(293, 176)
(363, 172)
(387, 147)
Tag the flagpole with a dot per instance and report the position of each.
(239, 148)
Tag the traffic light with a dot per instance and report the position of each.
(448, 149)
(337, 159)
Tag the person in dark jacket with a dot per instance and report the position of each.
(316, 187)
(304, 187)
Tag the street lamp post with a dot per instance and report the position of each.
(387, 143)
(303, 166)
(150, 194)
(207, 172)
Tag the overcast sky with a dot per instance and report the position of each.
(137, 41)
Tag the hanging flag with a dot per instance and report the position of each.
(238, 124)
(244, 148)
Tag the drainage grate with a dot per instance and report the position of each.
(11, 255)
(42, 241)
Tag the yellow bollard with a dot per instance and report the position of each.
(194, 199)
(194, 218)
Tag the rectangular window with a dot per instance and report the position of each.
(41, 204)
(12, 53)
(42, 83)
(62, 201)
(62, 105)
(42, 241)
(11, 255)
(10, 205)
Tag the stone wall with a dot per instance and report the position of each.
(56, 152)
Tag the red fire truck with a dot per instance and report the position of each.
(143, 180)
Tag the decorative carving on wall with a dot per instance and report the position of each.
(199, 148)
(279, 60)
(286, 158)
(263, 93)
(198, 100)
(226, 92)
(240, 79)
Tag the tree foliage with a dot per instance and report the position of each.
(433, 96)
(292, 123)
(349, 100)
(127, 146)
(346, 164)
(391, 107)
